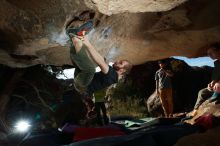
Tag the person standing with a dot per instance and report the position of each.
(100, 108)
(164, 87)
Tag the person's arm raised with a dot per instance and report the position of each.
(99, 60)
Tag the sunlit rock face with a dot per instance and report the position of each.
(32, 32)
(110, 7)
(140, 37)
(206, 108)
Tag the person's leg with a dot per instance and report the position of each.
(170, 101)
(203, 95)
(104, 113)
(98, 112)
(164, 101)
(85, 70)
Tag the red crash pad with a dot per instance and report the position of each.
(88, 133)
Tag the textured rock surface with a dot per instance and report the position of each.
(32, 32)
(210, 137)
(110, 7)
(206, 108)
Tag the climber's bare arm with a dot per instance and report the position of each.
(99, 60)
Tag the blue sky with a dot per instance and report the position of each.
(200, 61)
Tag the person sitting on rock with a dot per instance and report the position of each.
(164, 87)
(213, 87)
(86, 58)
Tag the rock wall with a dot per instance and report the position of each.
(110, 7)
(209, 110)
(32, 32)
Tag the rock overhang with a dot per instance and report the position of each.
(32, 32)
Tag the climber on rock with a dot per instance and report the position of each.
(86, 58)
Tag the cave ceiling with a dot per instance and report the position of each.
(32, 32)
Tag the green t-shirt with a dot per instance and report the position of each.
(100, 95)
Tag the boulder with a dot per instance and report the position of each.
(33, 32)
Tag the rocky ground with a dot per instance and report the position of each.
(211, 136)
